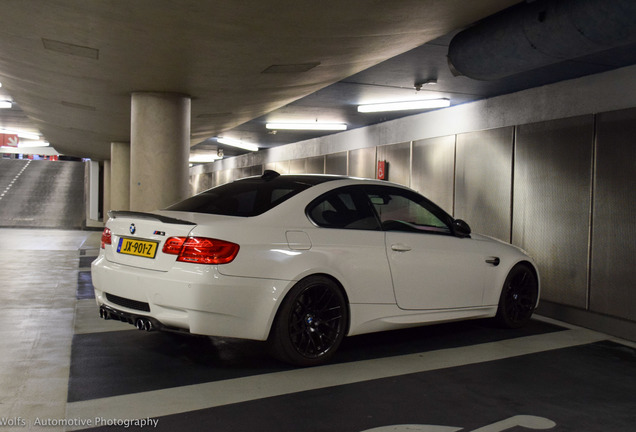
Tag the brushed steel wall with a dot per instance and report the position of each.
(613, 264)
(433, 170)
(336, 163)
(552, 203)
(564, 190)
(282, 167)
(362, 163)
(201, 182)
(298, 166)
(315, 165)
(398, 157)
(483, 182)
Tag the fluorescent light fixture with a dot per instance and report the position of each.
(237, 143)
(307, 126)
(49, 151)
(204, 158)
(29, 144)
(5, 104)
(406, 105)
(28, 135)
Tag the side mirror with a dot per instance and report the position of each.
(461, 228)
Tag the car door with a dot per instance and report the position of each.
(349, 234)
(430, 267)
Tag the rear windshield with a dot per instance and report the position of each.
(247, 197)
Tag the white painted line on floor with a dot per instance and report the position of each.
(208, 395)
(14, 180)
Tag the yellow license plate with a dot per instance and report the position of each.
(136, 247)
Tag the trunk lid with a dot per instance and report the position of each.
(138, 238)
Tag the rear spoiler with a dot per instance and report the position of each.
(149, 216)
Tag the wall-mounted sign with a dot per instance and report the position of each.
(382, 170)
(9, 140)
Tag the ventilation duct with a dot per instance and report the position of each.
(534, 34)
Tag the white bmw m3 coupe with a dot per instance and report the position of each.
(301, 261)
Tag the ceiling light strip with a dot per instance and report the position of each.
(405, 105)
(307, 126)
(203, 158)
(237, 143)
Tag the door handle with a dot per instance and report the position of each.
(494, 261)
(401, 247)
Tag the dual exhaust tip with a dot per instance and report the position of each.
(139, 322)
(144, 324)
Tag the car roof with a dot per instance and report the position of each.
(313, 179)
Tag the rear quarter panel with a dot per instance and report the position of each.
(356, 259)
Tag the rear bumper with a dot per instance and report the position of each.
(190, 297)
(139, 321)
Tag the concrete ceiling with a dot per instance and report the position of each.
(70, 66)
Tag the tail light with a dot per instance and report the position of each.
(106, 237)
(201, 250)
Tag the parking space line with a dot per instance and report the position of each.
(6, 190)
(170, 401)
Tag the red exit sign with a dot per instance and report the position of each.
(9, 140)
(382, 170)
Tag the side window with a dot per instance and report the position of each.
(278, 194)
(401, 210)
(345, 208)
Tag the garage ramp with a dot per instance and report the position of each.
(41, 194)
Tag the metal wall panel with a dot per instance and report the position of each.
(434, 170)
(282, 167)
(483, 181)
(243, 172)
(201, 182)
(315, 165)
(613, 274)
(336, 163)
(551, 203)
(298, 166)
(204, 181)
(398, 157)
(361, 163)
(222, 177)
(255, 170)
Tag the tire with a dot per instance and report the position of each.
(311, 322)
(518, 297)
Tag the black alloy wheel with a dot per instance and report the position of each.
(311, 322)
(518, 297)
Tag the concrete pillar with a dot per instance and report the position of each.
(159, 150)
(106, 191)
(119, 176)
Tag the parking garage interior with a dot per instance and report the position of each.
(542, 158)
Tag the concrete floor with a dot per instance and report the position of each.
(62, 368)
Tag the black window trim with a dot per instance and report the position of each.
(360, 192)
(365, 190)
(429, 205)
